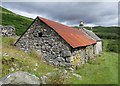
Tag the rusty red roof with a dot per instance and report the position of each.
(72, 36)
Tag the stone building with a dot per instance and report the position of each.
(98, 45)
(59, 44)
(7, 31)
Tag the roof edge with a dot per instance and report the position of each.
(25, 31)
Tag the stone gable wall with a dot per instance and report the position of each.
(53, 48)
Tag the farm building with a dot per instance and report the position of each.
(59, 44)
(98, 45)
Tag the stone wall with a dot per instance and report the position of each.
(7, 31)
(98, 48)
(53, 48)
(82, 55)
(42, 38)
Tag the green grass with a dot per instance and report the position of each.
(19, 22)
(102, 70)
(107, 32)
(22, 61)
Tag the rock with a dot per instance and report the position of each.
(62, 64)
(43, 79)
(12, 69)
(71, 69)
(55, 62)
(67, 65)
(59, 59)
(20, 77)
(35, 69)
(36, 64)
(51, 62)
(67, 59)
(5, 54)
(66, 53)
(65, 71)
(77, 75)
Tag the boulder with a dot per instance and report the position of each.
(20, 77)
(59, 59)
(66, 53)
(67, 59)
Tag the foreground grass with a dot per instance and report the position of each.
(102, 70)
(17, 60)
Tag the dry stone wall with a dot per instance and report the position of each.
(7, 31)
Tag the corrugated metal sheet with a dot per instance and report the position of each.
(91, 34)
(72, 36)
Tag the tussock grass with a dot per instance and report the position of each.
(59, 77)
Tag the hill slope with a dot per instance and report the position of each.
(19, 22)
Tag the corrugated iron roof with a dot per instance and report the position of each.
(92, 34)
(72, 36)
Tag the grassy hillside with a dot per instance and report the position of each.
(14, 59)
(107, 32)
(102, 70)
(19, 22)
